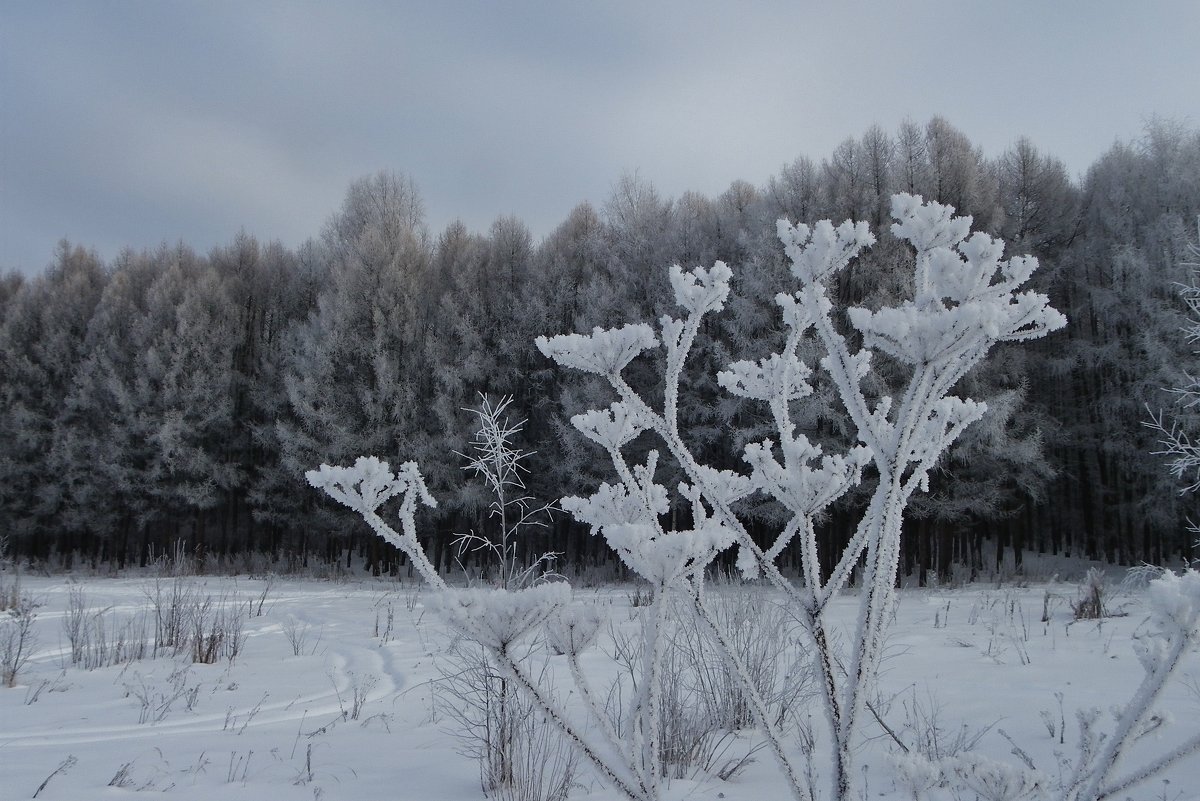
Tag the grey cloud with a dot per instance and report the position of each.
(138, 122)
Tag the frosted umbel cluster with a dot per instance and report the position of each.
(967, 298)
(368, 485)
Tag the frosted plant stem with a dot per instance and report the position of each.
(1149, 770)
(677, 355)
(772, 733)
(877, 590)
(840, 574)
(652, 687)
(882, 536)
(640, 792)
(1135, 711)
(785, 537)
(1087, 745)
(808, 559)
(837, 363)
(406, 542)
(597, 712)
(816, 627)
(829, 686)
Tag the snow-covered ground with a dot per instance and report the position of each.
(353, 714)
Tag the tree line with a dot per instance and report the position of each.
(169, 399)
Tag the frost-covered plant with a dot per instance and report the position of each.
(503, 700)
(17, 638)
(216, 630)
(498, 462)
(1090, 603)
(915, 774)
(498, 619)
(520, 757)
(967, 298)
(498, 724)
(760, 632)
(101, 638)
(1174, 629)
(701, 705)
(993, 781)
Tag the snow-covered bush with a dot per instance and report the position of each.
(760, 632)
(101, 638)
(520, 756)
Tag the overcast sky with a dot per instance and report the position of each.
(133, 123)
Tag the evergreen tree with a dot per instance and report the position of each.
(41, 347)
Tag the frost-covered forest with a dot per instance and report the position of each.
(171, 401)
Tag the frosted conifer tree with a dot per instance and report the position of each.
(41, 348)
(357, 369)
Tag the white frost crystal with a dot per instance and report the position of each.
(611, 428)
(699, 290)
(775, 376)
(604, 351)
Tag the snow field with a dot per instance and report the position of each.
(353, 714)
